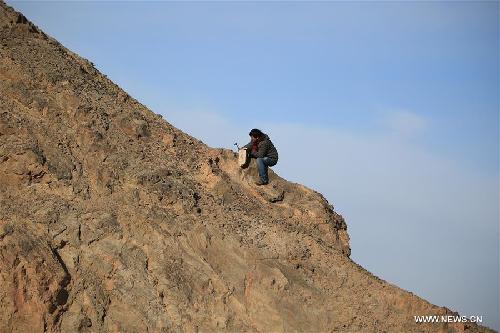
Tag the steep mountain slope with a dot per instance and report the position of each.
(113, 220)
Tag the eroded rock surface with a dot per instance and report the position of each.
(113, 220)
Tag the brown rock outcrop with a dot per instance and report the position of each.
(113, 220)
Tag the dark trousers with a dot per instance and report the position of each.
(262, 164)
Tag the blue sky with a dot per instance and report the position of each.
(402, 96)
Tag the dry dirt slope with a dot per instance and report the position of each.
(112, 220)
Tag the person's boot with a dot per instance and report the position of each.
(260, 182)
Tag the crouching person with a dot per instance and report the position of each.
(261, 148)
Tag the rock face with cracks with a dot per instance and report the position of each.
(113, 220)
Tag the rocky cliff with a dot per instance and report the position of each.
(113, 220)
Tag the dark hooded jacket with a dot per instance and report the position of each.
(265, 149)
